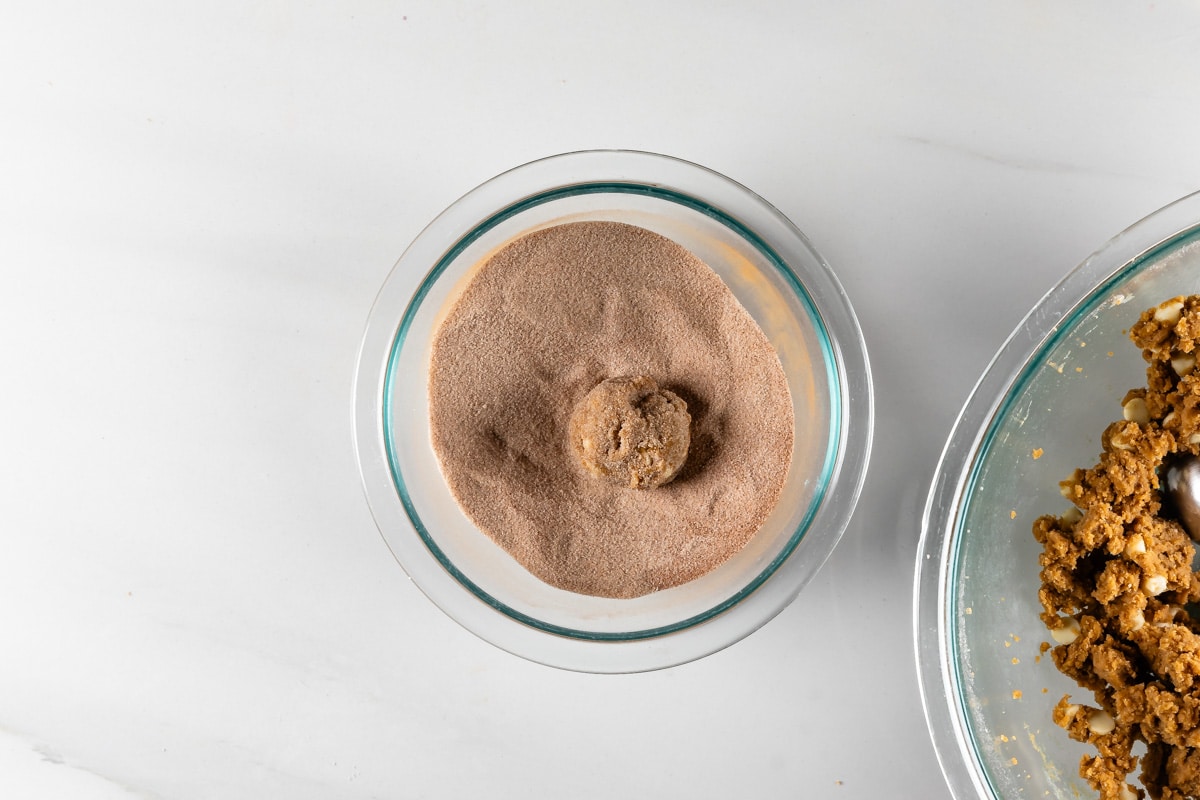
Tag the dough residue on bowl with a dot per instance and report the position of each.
(540, 324)
(1117, 579)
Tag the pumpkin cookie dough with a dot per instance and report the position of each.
(630, 432)
(1117, 577)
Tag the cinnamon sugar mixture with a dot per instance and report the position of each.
(543, 322)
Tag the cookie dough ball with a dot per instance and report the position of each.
(629, 431)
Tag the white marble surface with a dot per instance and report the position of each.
(199, 202)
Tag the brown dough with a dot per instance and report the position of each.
(629, 431)
(1117, 574)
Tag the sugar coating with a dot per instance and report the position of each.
(535, 328)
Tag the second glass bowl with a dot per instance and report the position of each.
(1036, 414)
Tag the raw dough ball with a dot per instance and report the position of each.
(629, 431)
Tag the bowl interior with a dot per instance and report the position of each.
(773, 296)
(1045, 426)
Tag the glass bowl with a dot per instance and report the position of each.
(781, 281)
(1035, 415)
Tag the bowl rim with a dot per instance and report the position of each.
(667, 178)
(967, 442)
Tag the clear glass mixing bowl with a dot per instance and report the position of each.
(782, 282)
(1036, 414)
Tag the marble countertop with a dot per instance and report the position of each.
(199, 204)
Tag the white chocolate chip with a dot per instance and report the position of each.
(1101, 722)
(1136, 621)
(1154, 585)
(1194, 438)
(1070, 711)
(1135, 546)
(1183, 364)
(1135, 411)
(1072, 515)
(1122, 439)
(1169, 312)
(1127, 792)
(1067, 632)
